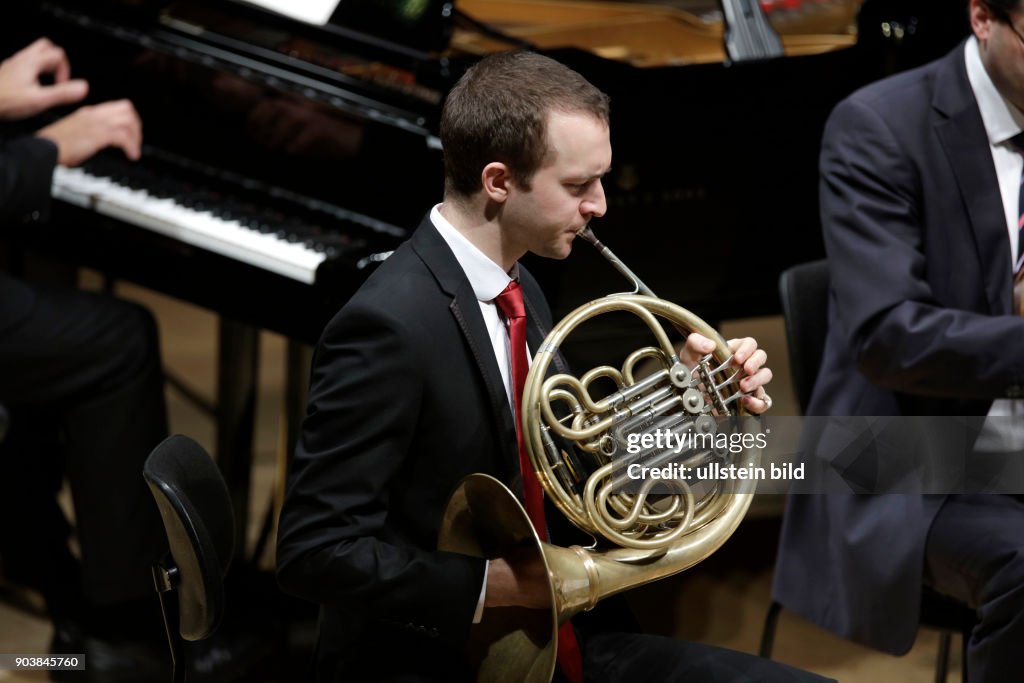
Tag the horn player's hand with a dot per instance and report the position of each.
(520, 581)
(745, 355)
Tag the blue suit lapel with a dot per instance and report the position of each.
(961, 133)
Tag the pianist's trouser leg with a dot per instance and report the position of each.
(85, 370)
(34, 534)
(975, 554)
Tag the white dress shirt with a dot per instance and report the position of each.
(1002, 122)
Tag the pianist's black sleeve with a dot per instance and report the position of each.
(26, 173)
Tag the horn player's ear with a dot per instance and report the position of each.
(496, 179)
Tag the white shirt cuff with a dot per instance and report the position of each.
(478, 615)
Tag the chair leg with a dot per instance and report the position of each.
(164, 577)
(942, 658)
(965, 637)
(771, 620)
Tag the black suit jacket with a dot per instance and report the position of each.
(920, 323)
(406, 399)
(26, 173)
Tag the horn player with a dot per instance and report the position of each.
(414, 387)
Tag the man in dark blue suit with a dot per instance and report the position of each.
(920, 182)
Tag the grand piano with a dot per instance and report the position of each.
(284, 159)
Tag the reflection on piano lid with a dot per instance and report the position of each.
(371, 77)
(423, 25)
(310, 11)
(649, 34)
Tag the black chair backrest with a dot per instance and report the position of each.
(197, 515)
(804, 293)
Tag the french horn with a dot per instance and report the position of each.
(642, 531)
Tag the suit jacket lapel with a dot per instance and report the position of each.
(465, 308)
(535, 332)
(962, 134)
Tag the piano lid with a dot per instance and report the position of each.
(363, 64)
(423, 25)
(315, 12)
(650, 34)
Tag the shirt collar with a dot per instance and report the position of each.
(485, 276)
(1002, 120)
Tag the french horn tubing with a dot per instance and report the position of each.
(642, 532)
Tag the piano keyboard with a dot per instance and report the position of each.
(273, 243)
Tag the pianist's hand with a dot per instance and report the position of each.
(745, 355)
(21, 93)
(89, 129)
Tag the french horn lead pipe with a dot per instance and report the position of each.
(586, 233)
(639, 287)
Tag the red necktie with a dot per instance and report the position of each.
(510, 301)
(1018, 261)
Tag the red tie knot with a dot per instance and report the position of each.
(510, 301)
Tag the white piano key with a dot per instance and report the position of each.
(198, 228)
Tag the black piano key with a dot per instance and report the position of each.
(327, 235)
(335, 244)
(163, 191)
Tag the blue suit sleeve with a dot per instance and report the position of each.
(904, 339)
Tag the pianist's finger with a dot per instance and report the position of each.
(129, 142)
(60, 94)
(125, 127)
(22, 94)
(89, 129)
(50, 59)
